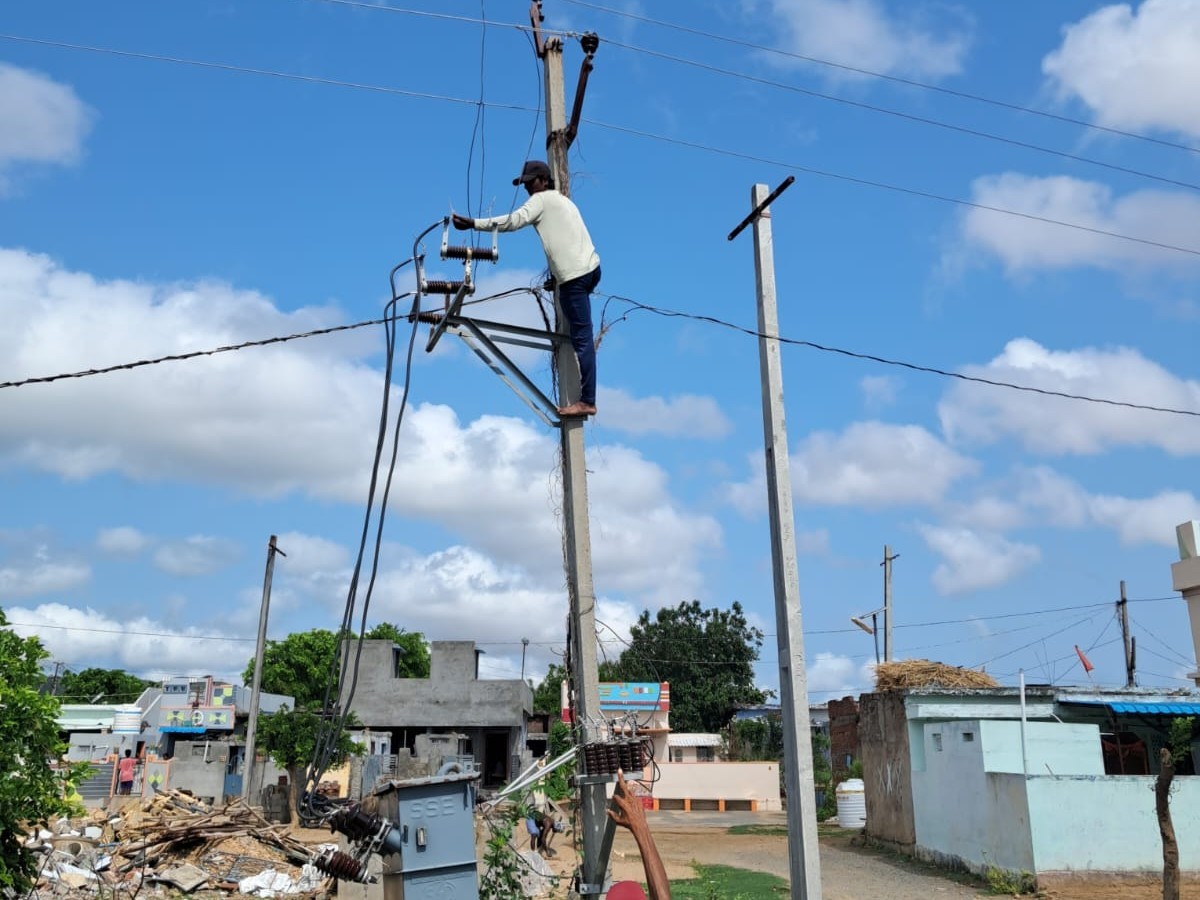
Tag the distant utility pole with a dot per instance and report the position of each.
(887, 601)
(577, 545)
(259, 649)
(803, 857)
(1129, 641)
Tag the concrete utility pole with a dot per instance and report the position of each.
(577, 542)
(259, 649)
(803, 857)
(1130, 642)
(887, 601)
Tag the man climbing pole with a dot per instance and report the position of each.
(574, 265)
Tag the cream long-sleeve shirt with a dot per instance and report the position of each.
(558, 223)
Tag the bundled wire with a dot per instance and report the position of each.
(342, 679)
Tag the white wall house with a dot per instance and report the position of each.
(955, 777)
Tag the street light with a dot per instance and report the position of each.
(872, 627)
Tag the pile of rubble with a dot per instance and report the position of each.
(175, 841)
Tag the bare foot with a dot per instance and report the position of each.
(577, 409)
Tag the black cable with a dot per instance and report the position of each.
(334, 715)
(1074, 624)
(695, 145)
(1183, 659)
(475, 129)
(951, 92)
(930, 370)
(910, 117)
(885, 186)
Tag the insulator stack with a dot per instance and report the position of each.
(606, 757)
(487, 254)
(625, 752)
(342, 865)
(429, 317)
(441, 287)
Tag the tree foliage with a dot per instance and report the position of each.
(414, 661)
(111, 685)
(301, 665)
(289, 737)
(547, 696)
(707, 655)
(31, 788)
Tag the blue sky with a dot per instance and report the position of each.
(151, 207)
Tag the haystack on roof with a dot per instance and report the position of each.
(920, 673)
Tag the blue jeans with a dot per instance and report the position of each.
(575, 297)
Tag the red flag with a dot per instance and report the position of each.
(1087, 666)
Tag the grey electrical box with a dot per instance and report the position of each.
(435, 818)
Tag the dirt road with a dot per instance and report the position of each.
(849, 871)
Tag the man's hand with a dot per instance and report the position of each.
(462, 223)
(626, 807)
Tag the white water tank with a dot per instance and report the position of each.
(127, 720)
(852, 803)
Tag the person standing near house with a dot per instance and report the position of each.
(126, 766)
(573, 260)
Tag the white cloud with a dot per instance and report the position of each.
(879, 391)
(875, 464)
(42, 577)
(459, 593)
(196, 555)
(1148, 520)
(41, 120)
(1135, 69)
(861, 33)
(1023, 244)
(831, 676)
(122, 541)
(1054, 499)
(870, 464)
(307, 554)
(85, 634)
(974, 560)
(986, 414)
(687, 415)
(292, 419)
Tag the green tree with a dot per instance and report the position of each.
(414, 661)
(111, 685)
(547, 696)
(301, 665)
(707, 655)
(28, 744)
(289, 737)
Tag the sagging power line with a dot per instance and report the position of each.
(621, 129)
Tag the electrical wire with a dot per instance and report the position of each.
(899, 114)
(885, 186)
(964, 95)
(1055, 633)
(336, 709)
(423, 13)
(478, 127)
(621, 129)
(895, 79)
(915, 367)
(1183, 659)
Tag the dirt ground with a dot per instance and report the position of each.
(849, 871)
